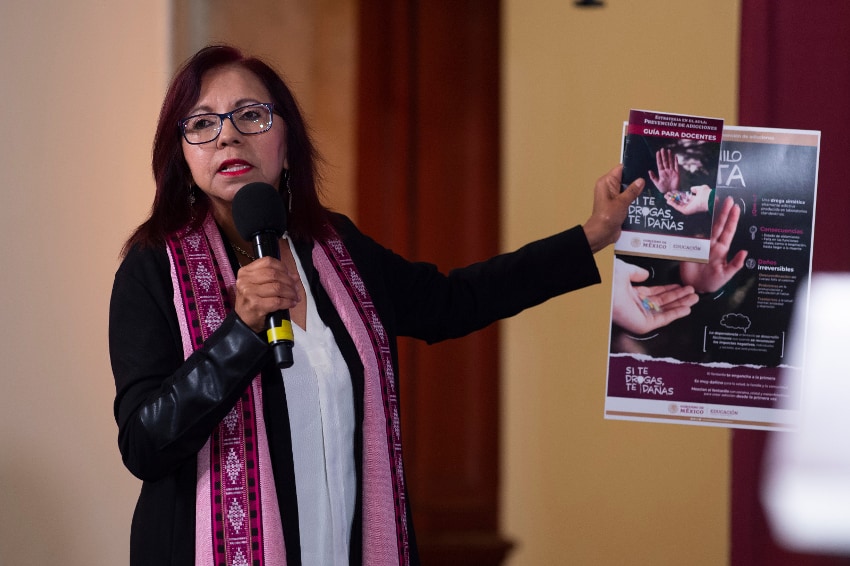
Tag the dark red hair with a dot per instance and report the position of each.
(171, 211)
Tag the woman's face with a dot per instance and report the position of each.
(223, 166)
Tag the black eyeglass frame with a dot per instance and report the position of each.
(181, 124)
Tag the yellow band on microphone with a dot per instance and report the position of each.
(278, 333)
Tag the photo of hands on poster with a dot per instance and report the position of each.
(678, 157)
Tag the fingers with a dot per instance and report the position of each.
(720, 216)
(684, 297)
(267, 277)
(737, 262)
(723, 229)
(677, 206)
(669, 315)
(662, 158)
(632, 191)
(674, 302)
(262, 287)
(610, 207)
(612, 182)
(671, 295)
(637, 273)
(693, 201)
(657, 310)
(730, 225)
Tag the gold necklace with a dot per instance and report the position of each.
(243, 252)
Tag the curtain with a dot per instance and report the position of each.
(794, 73)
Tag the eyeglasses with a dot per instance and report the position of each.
(248, 120)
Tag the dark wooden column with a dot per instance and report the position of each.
(428, 187)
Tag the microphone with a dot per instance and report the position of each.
(260, 217)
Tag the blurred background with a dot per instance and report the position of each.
(532, 96)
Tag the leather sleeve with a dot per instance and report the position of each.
(166, 408)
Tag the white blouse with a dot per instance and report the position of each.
(321, 416)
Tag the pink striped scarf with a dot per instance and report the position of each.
(385, 532)
(237, 516)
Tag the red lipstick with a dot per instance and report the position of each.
(234, 167)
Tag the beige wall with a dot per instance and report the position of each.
(81, 83)
(578, 489)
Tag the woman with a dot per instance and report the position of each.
(237, 463)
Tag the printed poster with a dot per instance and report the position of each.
(678, 157)
(726, 362)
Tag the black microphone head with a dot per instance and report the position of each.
(257, 208)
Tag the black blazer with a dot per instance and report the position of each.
(166, 408)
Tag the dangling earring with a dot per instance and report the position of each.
(191, 199)
(285, 180)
